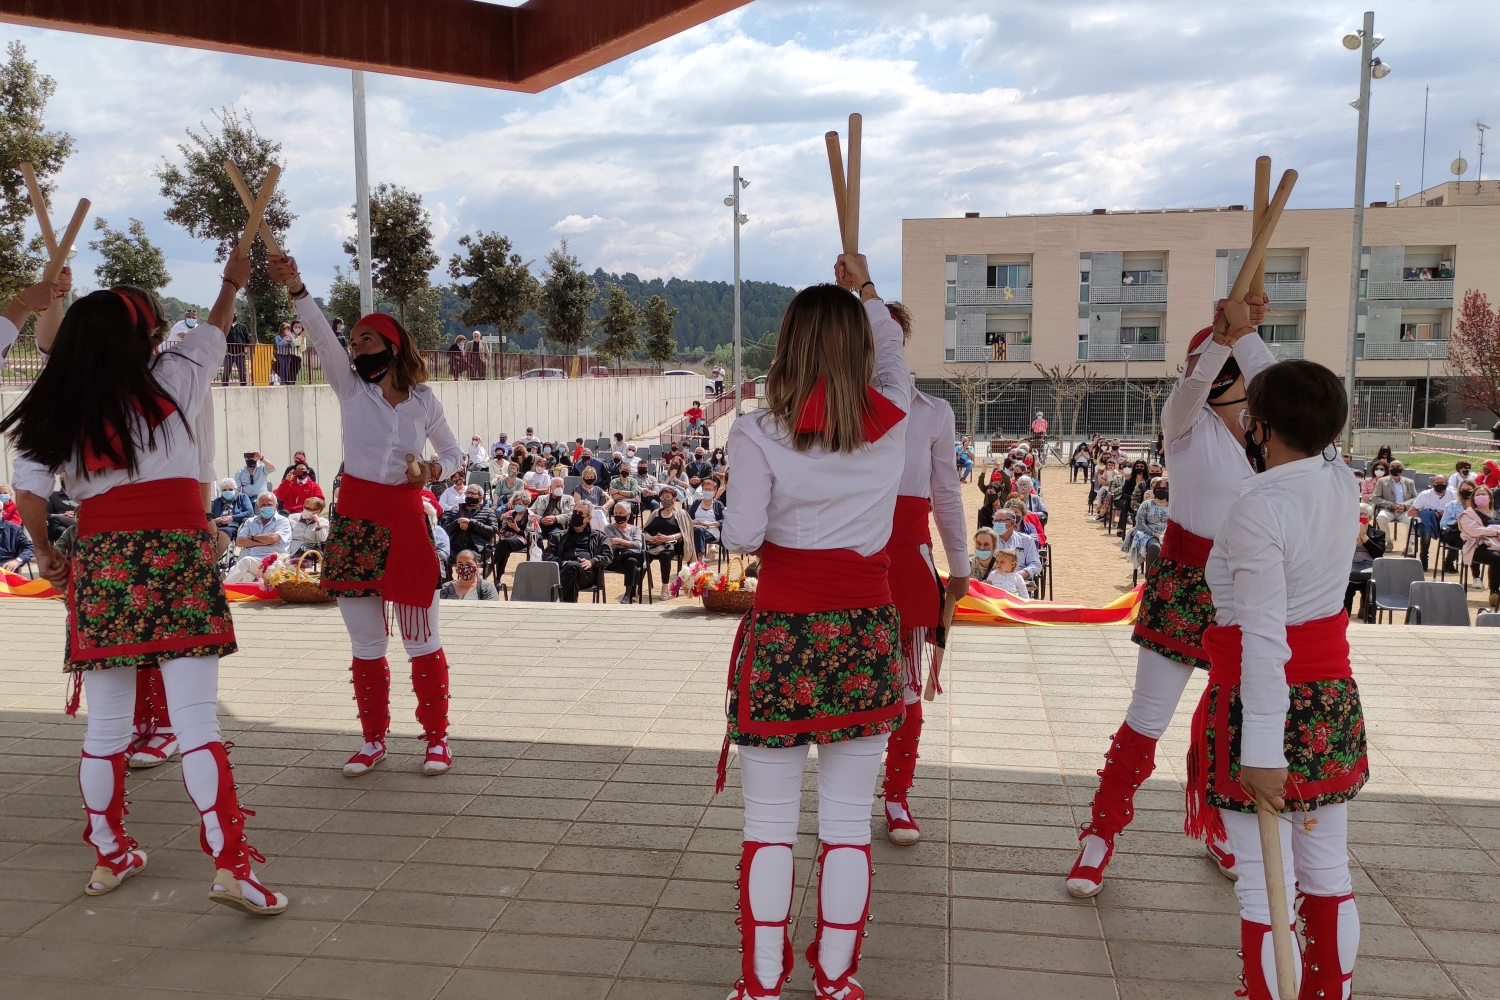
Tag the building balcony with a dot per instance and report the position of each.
(1408, 290)
(1127, 293)
(1287, 291)
(1151, 351)
(993, 297)
(976, 354)
(1405, 350)
(1283, 349)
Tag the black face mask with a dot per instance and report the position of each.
(577, 520)
(1159, 494)
(372, 367)
(621, 518)
(1253, 448)
(1225, 379)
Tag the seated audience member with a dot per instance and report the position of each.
(501, 447)
(598, 517)
(1463, 471)
(552, 511)
(508, 485)
(1369, 545)
(627, 550)
(439, 536)
(1427, 508)
(467, 583)
(586, 460)
(513, 533)
(1026, 520)
(699, 468)
(254, 476)
(707, 515)
(296, 488)
(1006, 575)
(529, 439)
(718, 462)
(267, 533)
(476, 454)
(669, 535)
(588, 489)
(1150, 521)
(539, 479)
(15, 547)
(1481, 536)
(1103, 475)
(1026, 488)
(62, 510)
(1373, 475)
(8, 511)
(1394, 496)
(615, 464)
(581, 555)
(982, 564)
(1460, 495)
(676, 478)
(626, 488)
(453, 495)
(649, 486)
(1079, 464)
(230, 509)
(300, 458)
(1025, 546)
(472, 524)
(309, 526)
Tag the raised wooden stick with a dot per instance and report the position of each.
(836, 167)
(60, 256)
(1257, 254)
(851, 187)
(1262, 200)
(258, 211)
(249, 200)
(39, 206)
(1281, 921)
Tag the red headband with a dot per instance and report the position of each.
(129, 300)
(384, 325)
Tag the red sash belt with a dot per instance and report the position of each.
(411, 568)
(157, 505)
(1181, 545)
(913, 583)
(1320, 652)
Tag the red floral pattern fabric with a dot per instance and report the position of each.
(356, 550)
(1176, 607)
(815, 668)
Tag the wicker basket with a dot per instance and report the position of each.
(733, 602)
(305, 591)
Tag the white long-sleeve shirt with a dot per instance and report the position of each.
(818, 499)
(1281, 558)
(377, 435)
(186, 371)
(930, 472)
(1208, 463)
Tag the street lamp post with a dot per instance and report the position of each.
(1365, 41)
(1427, 392)
(362, 194)
(1125, 419)
(733, 201)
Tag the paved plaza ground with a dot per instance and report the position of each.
(576, 849)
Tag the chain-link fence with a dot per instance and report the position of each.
(1000, 409)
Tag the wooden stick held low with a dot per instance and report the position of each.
(836, 168)
(1255, 259)
(258, 211)
(1262, 201)
(1281, 921)
(39, 206)
(249, 200)
(851, 186)
(930, 691)
(60, 257)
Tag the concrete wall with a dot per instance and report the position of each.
(279, 420)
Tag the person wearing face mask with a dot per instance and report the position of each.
(1150, 521)
(15, 548)
(1480, 532)
(1206, 453)
(589, 489)
(255, 476)
(1427, 508)
(1373, 475)
(309, 527)
(539, 480)
(476, 456)
(297, 489)
(468, 583)
(8, 511)
(627, 550)
(379, 550)
(297, 349)
(1394, 495)
(581, 555)
(982, 564)
(264, 533)
(669, 535)
(1122, 494)
(552, 510)
(1278, 574)
(1369, 545)
(471, 525)
(514, 531)
(180, 329)
(230, 508)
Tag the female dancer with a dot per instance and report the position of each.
(1281, 671)
(141, 582)
(379, 550)
(818, 660)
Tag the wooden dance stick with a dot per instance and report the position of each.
(1255, 259)
(836, 167)
(39, 206)
(1258, 218)
(249, 199)
(930, 692)
(258, 212)
(1281, 921)
(60, 255)
(851, 186)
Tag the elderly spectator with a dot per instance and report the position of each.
(1393, 499)
(477, 459)
(707, 514)
(501, 446)
(15, 547)
(513, 534)
(1024, 544)
(255, 477)
(539, 479)
(1150, 521)
(627, 550)
(230, 509)
(472, 524)
(309, 526)
(8, 511)
(699, 468)
(1026, 489)
(1369, 545)
(982, 564)
(1481, 535)
(297, 488)
(1027, 521)
(626, 487)
(552, 511)
(267, 533)
(586, 460)
(669, 535)
(650, 488)
(581, 555)
(615, 464)
(1463, 470)
(468, 584)
(588, 489)
(454, 494)
(62, 510)
(1428, 510)
(479, 353)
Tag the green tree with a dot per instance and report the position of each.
(202, 199)
(756, 357)
(129, 258)
(619, 326)
(343, 299)
(24, 94)
(271, 308)
(424, 317)
(503, 288)
(659, 319)
(567, 294)
(401, 254)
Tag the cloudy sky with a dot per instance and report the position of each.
(992, 106)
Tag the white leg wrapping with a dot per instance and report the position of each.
(846, 788)
(771, 784)
(1159, 683)
(364, 618)
(192, 686)
(843, 892)
(96, 780)
(111, 710)
(770, 882)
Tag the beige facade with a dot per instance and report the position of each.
(1014, 287)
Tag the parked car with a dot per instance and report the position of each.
(599, 371)
(544, 373)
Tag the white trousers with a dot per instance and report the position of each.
(771, 782)
(246, 569)
(192, 686)
(1314, 857)
(1159, 683)
(366, 621)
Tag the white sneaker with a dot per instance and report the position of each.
(666, 594)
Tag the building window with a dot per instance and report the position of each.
(1443, 272)
(1280, 333)
(1422, 331)
(948, 354)
(1364, 282)
(1013, 337)
(1143, 277)
(1008, 276)
(1140, 334)
(952, 293)
(1083, 347)
(1083, 286)
(1282, 277)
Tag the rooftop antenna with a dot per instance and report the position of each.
(1482, 128)
(1422, 183)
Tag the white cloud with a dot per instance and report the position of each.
(576, 223)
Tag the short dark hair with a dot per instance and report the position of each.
(1302, 401)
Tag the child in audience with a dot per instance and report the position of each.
(1006, 574)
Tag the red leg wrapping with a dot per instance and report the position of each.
(372, 695)
(1323, 962)
(901, 754)
(222, 833)
(749, 984)
(1131, 759)
(823, 985)
(105, 827)
(429, 680)
(151, 714)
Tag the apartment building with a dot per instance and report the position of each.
(1125, 290)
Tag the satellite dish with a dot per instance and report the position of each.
(1459, 167)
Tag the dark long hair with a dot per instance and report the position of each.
(98, 379)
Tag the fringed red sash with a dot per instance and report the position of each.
(805, 582)
(914, 585)
(411, 570)
(1320, 652)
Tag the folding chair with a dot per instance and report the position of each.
(480, 477)
(1153, 549)
(1423, 480)
(1488, 619)
(648, 580)
(1437, 604)
(655, 451)
(1390, 584)
(1045, 583)
(570, 483)
(538, 581)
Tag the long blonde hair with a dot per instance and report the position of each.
(825, 336)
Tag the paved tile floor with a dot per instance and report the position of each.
(576, 850)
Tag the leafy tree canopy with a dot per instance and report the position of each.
(502, 289)
(129, 258)
(24, 94)
(400, 245)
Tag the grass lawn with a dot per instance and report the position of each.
(1435, 462)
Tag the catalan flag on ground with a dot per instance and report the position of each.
(987, 605)
(15, 585)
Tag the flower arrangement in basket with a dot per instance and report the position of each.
(295, 583)
(732, 592)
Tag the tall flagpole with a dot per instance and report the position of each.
(362, 194)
